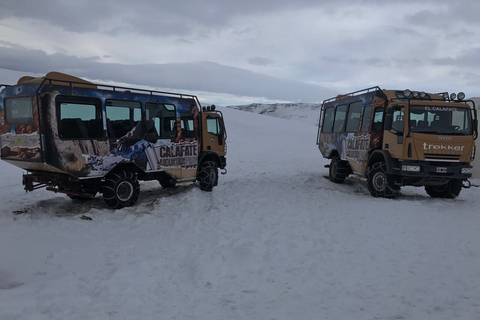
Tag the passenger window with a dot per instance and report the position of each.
(123, 117)
(377, 124)
(367, 112)
(328, 120)
(340, 114)
(79, 118)
(353, 118)
(162, 117)
(187, 126)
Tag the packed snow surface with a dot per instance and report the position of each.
(275, 240)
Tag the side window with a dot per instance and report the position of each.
(328, 120)
(162, 117)
(79, 117)
(18, 110)
(377, 124)
(367, 112)
(340, 114)
(187, 125)
(123, 117)
(353, 119)
(213, 125)
(398, 116)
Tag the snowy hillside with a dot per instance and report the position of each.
(305, 112)
(275, 240)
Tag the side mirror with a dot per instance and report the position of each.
(388, 121)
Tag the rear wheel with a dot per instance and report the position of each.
(121, 189)
(207, 175)
(338, 170)
(450, 190)
(380, 183)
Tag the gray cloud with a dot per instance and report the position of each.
(198, 76)
(259, 61)
(166, 17)
(467, 58)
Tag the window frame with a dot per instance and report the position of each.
(162, 115)
(131, 114)
(341, 127)
(330, 128)
(366, 120)
(5, 110)
(351, 107)
(79, 100)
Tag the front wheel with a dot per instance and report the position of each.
(380, 183)
(207, 175)
(121, 189)
(450, 190)
(338, 170)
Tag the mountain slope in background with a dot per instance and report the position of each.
(308, 113)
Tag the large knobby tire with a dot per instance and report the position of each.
(380, 183)
(338, 170)
(207, 175)
(121, 189)
(450, 190)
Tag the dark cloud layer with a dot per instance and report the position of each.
(198, 76)
(180, 18)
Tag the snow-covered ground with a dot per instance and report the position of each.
(275, 240)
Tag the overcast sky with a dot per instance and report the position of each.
(250, 50)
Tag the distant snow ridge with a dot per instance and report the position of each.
(304, 112)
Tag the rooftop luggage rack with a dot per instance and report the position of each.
(114, 88)
(353, 94)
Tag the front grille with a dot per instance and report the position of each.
(442, 157)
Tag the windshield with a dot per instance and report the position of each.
(440, 120)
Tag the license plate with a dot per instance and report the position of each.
(441, 170)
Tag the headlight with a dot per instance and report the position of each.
(411, 168)
(466, 170)
(407, 93)
(461, 96)
(453, 96)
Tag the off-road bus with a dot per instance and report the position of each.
(80, 138)
(399, 138)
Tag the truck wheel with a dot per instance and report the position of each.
(121, 189)
(450, 190)
(380, 183)
(207, 175)
(338, 170)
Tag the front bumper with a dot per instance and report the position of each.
(433, 169)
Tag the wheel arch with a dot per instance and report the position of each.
(381, 156)
(333, 153)
(210, 156)
(127, 166)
